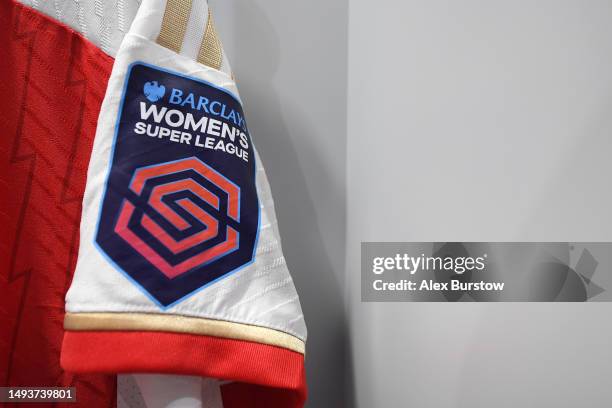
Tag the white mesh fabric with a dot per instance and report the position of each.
(105, 22)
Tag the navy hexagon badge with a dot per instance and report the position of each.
(180, 208)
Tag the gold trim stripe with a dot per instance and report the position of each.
(181, 324)
(211, 51)
(174, 24)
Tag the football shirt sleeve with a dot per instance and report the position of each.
(180, 267)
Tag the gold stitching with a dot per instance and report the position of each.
(174, 24)
(211, 51)
(181, 324)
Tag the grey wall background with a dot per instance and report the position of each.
(491, 121)
(470, 121)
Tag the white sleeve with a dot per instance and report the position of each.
(180, 267)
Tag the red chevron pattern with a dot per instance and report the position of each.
(53, 82)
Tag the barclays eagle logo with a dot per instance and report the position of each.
(153, 91)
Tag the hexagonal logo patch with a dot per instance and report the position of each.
(180, 207)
